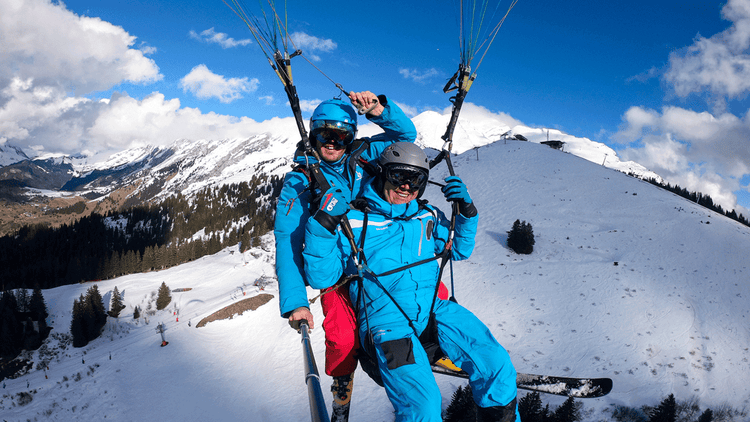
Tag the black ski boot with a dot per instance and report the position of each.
(505, 413)
(342, 397)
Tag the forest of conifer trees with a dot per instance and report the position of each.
(141, 238)
(700, 199)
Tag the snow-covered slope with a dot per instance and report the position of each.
(626, 281)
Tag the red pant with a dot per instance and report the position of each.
(340, 325)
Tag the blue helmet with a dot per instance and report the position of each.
(334, 121)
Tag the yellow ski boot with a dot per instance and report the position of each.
(342, 397)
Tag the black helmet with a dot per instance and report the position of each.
(404, 163)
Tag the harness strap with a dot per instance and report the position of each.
(343, 281)
(363, 260)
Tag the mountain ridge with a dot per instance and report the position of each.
(195, 162)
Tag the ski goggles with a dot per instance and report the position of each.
(406, 175)
(330, 131)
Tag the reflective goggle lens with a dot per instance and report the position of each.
(340, 138)
(398, 177)
(340, 134)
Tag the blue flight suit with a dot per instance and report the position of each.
(397, 235)
(292, 212)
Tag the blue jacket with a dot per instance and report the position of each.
(395, 235)
(292, 209)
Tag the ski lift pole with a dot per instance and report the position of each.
(318, 411)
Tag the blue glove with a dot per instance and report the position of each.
(333, 206)
(455, 190)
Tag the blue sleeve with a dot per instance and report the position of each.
(463, 238)
(397, 127)
(324, 255)
(292, 212)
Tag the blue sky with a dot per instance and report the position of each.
(661, 82)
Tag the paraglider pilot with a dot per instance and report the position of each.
(395, 307)
(333, 130)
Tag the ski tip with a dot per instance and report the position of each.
(606, 386)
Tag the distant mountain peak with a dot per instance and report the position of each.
(10, 154)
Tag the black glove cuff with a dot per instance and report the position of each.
(467, 210)
(328, 221)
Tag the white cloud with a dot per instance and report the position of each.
(407, 109)
(720, 64)
(30, 113)
(476, 113)
(419, 76)
(50, 58)
(698, 151)
(205, 84)
(54, 123)
(212, 37)
(47, 43)
(308, 106)
(310, 44)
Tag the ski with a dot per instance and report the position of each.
(582, 388)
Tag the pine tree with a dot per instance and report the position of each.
(88, 317)
(521, 238)
(94, 298)
(116, 305)
(164, 297)
(569, 411)
(462, 407)
(10, 327)
(77, 328)
(136, 312)
(706, 416)
(530, 407)
(37, 306)
(22, 298)
(665, 412)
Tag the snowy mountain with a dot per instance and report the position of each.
(626, 281)
(483, 130)
(10, 154)
(188, 166)
(156, 172)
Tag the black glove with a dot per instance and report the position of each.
(333, 207)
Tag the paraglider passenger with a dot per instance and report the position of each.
(333, 129)
(395, 304)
